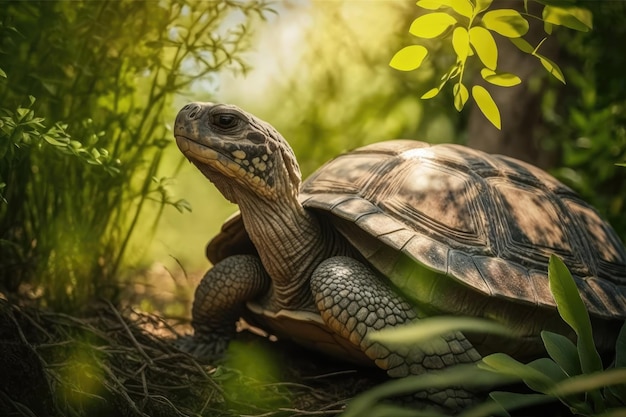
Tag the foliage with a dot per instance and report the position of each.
(573, 373)
(81, 162)
(587, 119)
(470, 25)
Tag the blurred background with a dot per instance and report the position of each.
(96, 198)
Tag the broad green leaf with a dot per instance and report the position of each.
(409, 58)
(573, 311)
(587, 383)
(506, 365)
(576, 18)
(485, 46)
(431, 25)
(549, 368)
(428, 328)
(430, 93)
(462, 7)
(511, 401)
(481, 6)
(547, 27)
(502, 79)
(461, 95)
(460, 43)
(522, 45)
(506, 22)
(470, 375)
(486, 105)
(430, 4)
(562, 351)
(2, 73)
(551, 67)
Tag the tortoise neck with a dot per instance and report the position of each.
(291, 243)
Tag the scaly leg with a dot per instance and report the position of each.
(219, 301)
(354, 301)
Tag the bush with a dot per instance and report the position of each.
(86, 91)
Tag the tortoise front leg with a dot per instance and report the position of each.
(354, 301)
(219, 302)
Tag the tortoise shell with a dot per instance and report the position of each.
(446, 223)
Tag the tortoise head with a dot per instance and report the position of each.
(238, 152)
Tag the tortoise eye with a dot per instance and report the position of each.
(225, 120)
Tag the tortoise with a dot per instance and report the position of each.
(385, 235)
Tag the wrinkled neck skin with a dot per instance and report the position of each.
(291, 242)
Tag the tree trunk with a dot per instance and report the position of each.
(520, 106)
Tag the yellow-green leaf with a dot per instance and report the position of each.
(486, 105)
(409, 58)
(502, 79)
(575, 18)
(460, 96)
(429, 4)
(506, 22)
(462, 7)
(460, 43)
(482, 5)
(547, 27)
(522, 45)
(430, 93)
(551, 67)
(431, 25)
(485, 46)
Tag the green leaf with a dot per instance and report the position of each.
(409, 58)
(486, 105)
(430, 93)
(506, 22)
(522, 45)
(461, 95)
(430, 4)
(547, 27)
(562, 351)
(182, 205)
(53, 141)
(505, 365)
(549, 368)
(620, 362)
(511, 401)
(2, 73)
(431, 327)
(587, 383)
(551, 67)
(431, 25)
(502, 79)
(462, 7)
(460, 43)
(470, 375)
(573, 311)
(485, 46)
(481, 6)
(576, 18)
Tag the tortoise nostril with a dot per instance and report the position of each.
(194, 112)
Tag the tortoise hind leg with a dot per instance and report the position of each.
(353, 301)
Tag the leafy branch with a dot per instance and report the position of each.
(470, 26)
